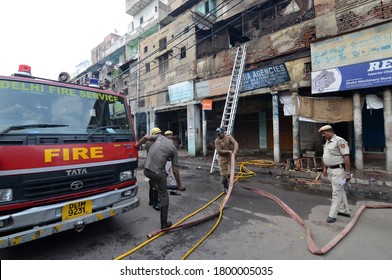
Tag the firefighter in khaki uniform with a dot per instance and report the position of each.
(225, 145)
(154, 169)
(336, 160)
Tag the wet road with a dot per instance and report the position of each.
(252, 227)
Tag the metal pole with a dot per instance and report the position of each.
(136, 120)
(204, 133)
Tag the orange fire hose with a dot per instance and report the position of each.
(314, 249)
(246, 173)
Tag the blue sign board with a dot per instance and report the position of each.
(375, 73)
(181, 92)
(264, 77)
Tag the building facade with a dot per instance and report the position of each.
(308, 63)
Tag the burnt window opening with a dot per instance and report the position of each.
(235, 36)
(145, 49)
(252, 24)
(148, 67)
(162, 44)
(163, 61)
(183, 52)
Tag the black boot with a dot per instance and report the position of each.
(164, 222)
(155, 200)
(150, 196)
(225, 186)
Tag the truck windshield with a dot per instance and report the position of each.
(35, 108)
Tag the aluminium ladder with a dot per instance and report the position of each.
(230, 109)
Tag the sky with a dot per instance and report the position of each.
(53, 36)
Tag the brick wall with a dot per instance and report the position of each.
(369, 13)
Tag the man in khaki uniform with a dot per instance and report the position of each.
(153, 193)
(154, 169)
(336, 160)
(225, 145)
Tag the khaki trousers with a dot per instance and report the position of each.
(339, 198)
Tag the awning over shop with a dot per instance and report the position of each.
(328, 110)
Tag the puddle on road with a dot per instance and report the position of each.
(295, 186)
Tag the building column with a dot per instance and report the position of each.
(263, 131)
(358, 142)
(204, 133)
(193, 116)
(295, 119)
(275, 113)
(150, 121)
(388, 128)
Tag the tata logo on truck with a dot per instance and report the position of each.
(76, 185)
(78, 171)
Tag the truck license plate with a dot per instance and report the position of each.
(77, 209)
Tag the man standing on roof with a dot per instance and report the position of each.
(154, 168)
(336, 165)
(225, 145)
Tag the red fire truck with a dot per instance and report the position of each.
(67, 157)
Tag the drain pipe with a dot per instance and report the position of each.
(204, 133)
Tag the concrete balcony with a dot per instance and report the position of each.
(132, 7)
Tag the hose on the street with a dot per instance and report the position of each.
(243, 173)
(313, 248)
(152, 236)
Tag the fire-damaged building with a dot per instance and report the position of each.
(308, 63)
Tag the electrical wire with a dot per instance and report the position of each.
(186, 30)
(205, 38)
(191, 46)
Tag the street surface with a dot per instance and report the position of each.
(252, 228)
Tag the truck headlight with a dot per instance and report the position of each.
(6, 195)
(126, 175)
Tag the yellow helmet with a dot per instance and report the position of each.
(155, 130)
(168, 132)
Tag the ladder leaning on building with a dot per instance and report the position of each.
(230, 108)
